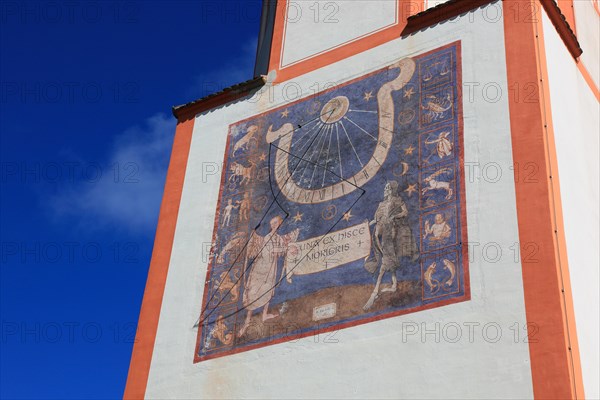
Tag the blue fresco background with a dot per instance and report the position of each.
(419, 120)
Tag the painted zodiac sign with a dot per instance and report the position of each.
(428, 75)
(226, 220)
(445, 70)
(226, 285)
(220, 331)
(236, 241)
(435, 107)
(438, 185)
(435, 285)
(314, 107)
(244, 142)
(329, 212)
(240, 171)
(244, 207)
(439, 231)
(428, 276)
(443, 146)
(449, 265)
(259, 203)
(263, 174)
(405, 117)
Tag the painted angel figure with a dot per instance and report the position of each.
(263, 254)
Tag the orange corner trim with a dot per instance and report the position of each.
(143, 347)
(588, 79)
(555, 363)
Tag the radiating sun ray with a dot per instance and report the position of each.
(327, 157)
(337, 134)
(318, 124)
(299, 152)
(302, 126)
(309, 161)
(355, 124)
(351, 144)
(310, 138)
(365, 111)
(315, 166)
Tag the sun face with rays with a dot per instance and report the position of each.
(333, 146)
(335, 109)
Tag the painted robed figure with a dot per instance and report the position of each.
(263, 254)
(392, 239)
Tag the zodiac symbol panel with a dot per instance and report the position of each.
(340, 209)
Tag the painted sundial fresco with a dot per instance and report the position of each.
(340, 209)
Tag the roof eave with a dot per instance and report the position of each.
(229, 94)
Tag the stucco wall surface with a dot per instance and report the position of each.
(314, 27)
(575, 117)
(587, 22)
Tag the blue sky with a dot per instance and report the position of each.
(86, 131)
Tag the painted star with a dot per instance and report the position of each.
(409, 92)
(297, 217)
(409, 150)
(285, 113)
(347, 216)
(411, 189)
(262, 157)
(368, 95)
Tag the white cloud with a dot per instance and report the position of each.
(130, 200)
(128, 194)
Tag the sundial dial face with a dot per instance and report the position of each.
(355, 193)
(346, 145)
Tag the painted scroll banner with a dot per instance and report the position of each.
(328, 251)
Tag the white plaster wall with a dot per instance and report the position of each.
(587, 21)
(433, 3)
(312, 27)
(575, 116)
(381, 359)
